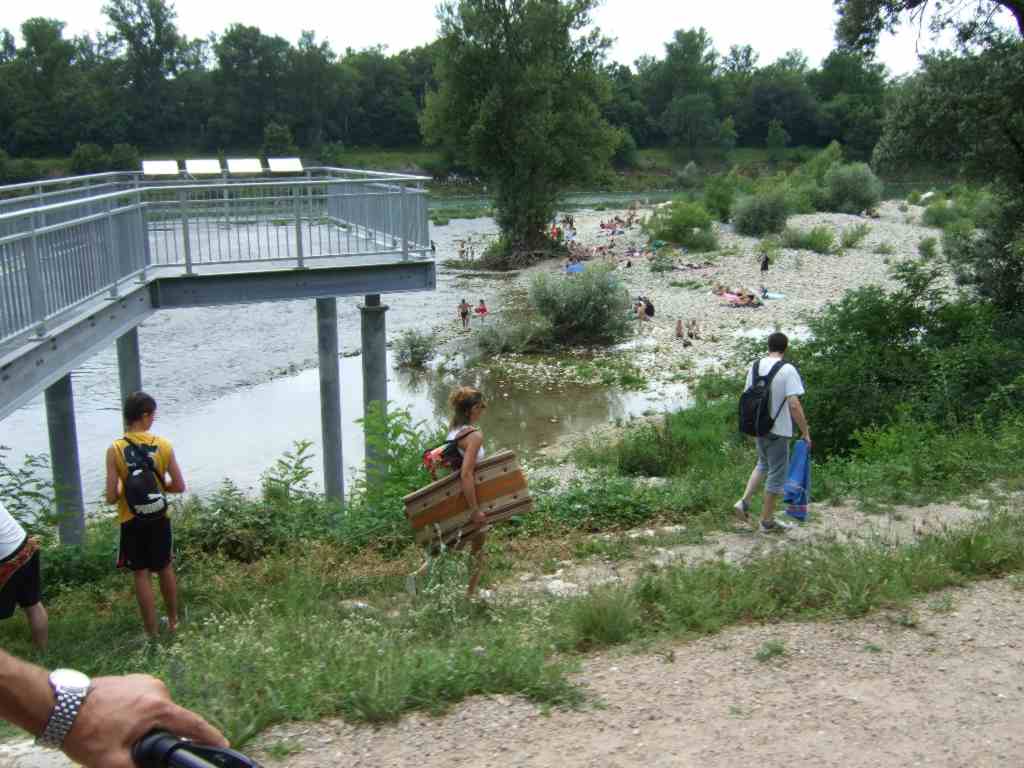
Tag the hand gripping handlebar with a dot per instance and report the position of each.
(159, 749)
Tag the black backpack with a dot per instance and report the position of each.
(142, 489)
(649, 307)
(756, 402)
(446, 454)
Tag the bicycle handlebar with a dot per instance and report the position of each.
(159, 749)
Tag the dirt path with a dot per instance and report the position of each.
(873, 692)
(841, 523)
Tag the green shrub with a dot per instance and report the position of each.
(851, 188)
(719, 192)
(5, 166)
(89, 158)
(689, 177)
(940, 214)
(914, 198)
(820, 239)
(589, 308)
(333, 154)
(439, 221)
(853, 236)
(928, 248)
(662, 261)
(626, 153)
(124, 157)
(414, 349)
(885, 249)
(761, 214)
(687, 224)
(278, 141)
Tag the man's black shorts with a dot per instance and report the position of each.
(145, 545)
(24, 588)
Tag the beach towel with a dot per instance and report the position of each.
(797, 490)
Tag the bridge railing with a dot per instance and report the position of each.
(82, 241)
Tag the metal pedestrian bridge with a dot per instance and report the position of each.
(85, 260)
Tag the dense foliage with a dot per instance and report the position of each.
(142, 82)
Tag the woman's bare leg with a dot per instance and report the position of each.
(477, 557)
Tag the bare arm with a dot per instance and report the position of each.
(25, 694)
(471, 445)
(113, 488)
(796, 410)
(177, 483)
(117, 712)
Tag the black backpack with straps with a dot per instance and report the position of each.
(756, 417)
(143, 491)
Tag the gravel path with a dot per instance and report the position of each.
(872, 692)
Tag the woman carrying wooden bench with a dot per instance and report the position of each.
(467, 404)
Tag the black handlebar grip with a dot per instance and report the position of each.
(159, 749)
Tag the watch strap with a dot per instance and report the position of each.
(69, 701)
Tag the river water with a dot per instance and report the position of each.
(237, 386)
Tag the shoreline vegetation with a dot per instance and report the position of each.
(286, 569)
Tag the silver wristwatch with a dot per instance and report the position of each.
(70, 688)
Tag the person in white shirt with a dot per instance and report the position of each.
(20, 583)
(773, 448)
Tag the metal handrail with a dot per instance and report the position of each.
(56, 256)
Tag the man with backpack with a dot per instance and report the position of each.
(769, 406)
(141, 468)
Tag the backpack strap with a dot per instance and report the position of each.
(468, 430)
(768, 382)
(138, 450)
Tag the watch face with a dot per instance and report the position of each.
(69, 678)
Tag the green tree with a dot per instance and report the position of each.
(145, 31)
(277, 141)
(861, 22)
(690, 124)
(519, 97)
(776, 140)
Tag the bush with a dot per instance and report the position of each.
(689, 177)
(851, 188)
(278, 141)
(719, 193)
(819, 240)
(940, 215)
(853, 236)
(761, 214)
(333, 154)
(589, 308)
(414, 349)
(687, 224)
(626, 154)
(124, 157)
(885, 249)
(928, 248)
(662, 261)
(89, 158)
(914, 198)
(5, 166)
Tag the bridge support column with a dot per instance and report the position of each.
(375, 367)
(67, 476)
(129, 363)
(330, 396)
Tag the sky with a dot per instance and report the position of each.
(771, 27)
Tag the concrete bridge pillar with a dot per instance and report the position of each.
(330, 397)
(67, 475)
(129, 363)
(375, 367)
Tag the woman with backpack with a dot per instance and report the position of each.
(467, 404)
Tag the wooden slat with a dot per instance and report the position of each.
(486, 468)
(511, 484)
